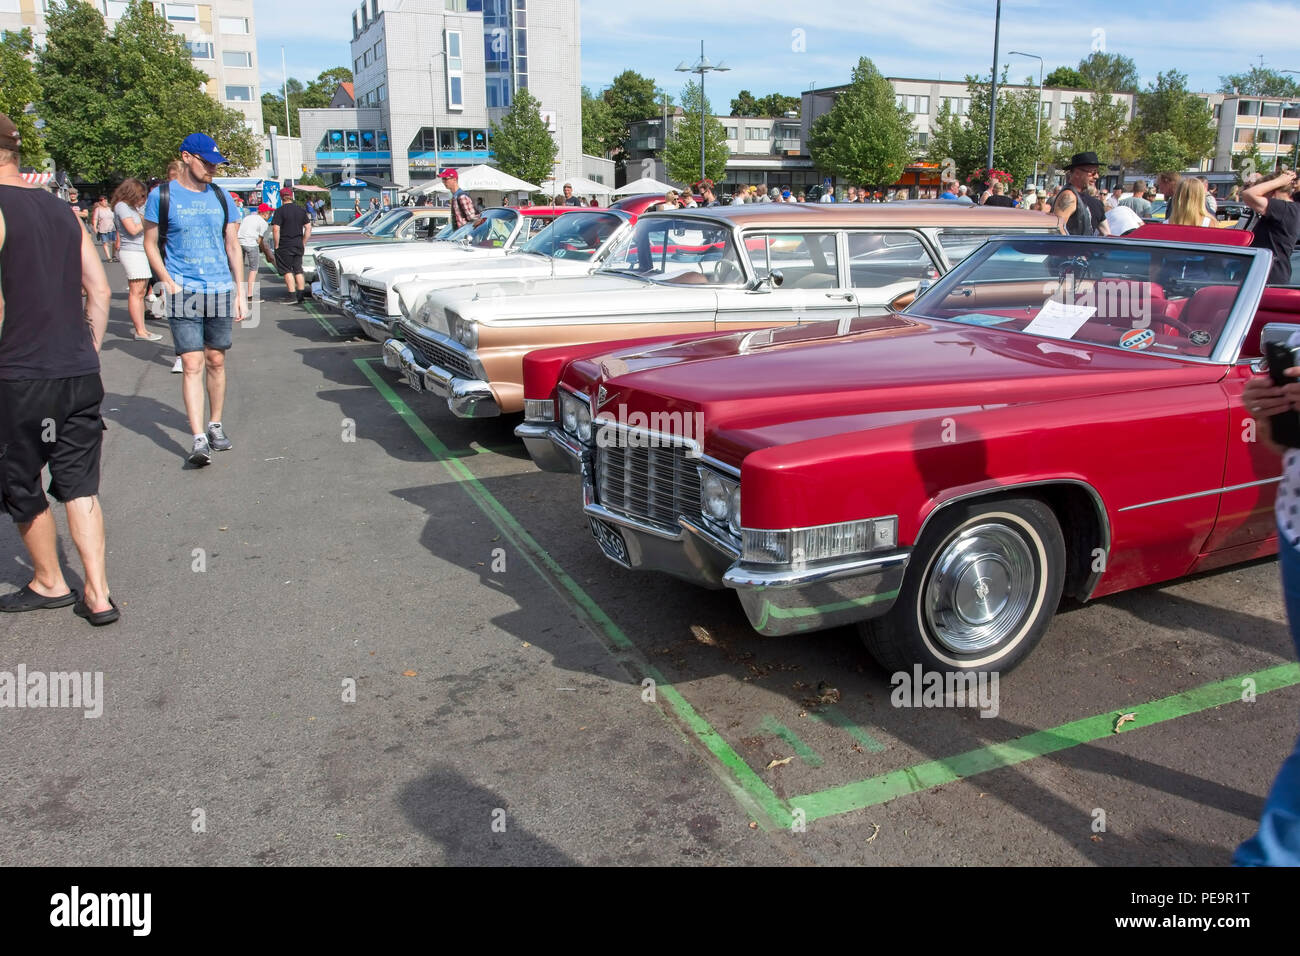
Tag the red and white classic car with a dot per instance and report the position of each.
(1057, 415)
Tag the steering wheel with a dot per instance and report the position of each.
(726, 273)
(1076, 266)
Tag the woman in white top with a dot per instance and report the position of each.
(128, 211)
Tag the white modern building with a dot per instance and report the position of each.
(431, 76)
(222, 37)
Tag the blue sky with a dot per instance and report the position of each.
(785, 47)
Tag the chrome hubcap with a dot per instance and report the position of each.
(980, 585)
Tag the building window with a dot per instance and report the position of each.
(922, 139)
(356, 65)
(1244, 135)
(455, 81)
(240, 58)
(267, 154)
(182, 12)
(1266, 136)
(730, 131)
(200, 50)
(762, 133)
(113, 9)
(378, 49)
(1248, 107)
(365, 58)
(1270, 109)
(1067, 110)
(233, 25)
(913, 104)
(1218, 108)
(243, 94)
(1047, 111)
(381, 93)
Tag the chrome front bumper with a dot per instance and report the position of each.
(467, 398)
(550, 448)
(777, 600)
(376, 327)
(330, 300)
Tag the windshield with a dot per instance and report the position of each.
(575, 236)
(1172, 300)
(365, 219)
(680, 250)
(387, 225)
(490, 231)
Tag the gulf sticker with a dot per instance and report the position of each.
(1137, 339)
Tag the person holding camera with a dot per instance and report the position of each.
(1277, 841)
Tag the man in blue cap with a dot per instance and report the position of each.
(191, 236)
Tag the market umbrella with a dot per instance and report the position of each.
(581, 187)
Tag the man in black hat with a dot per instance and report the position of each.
(1079, 213)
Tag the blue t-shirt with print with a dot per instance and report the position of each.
(196, 246)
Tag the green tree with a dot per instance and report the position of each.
(866, 137)
(1163, 152)
(315, 95)
(744, 104)
(1109, 73)
(119, 106)
(19, 89)
(682, 154)
(1065, 77)
(523, 145)
(1259, 81)
(778, 104)
(1099, 124)
(631, 97)
(1167, 106)
(965, 141)
(599, 128)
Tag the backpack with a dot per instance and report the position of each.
(164, 207)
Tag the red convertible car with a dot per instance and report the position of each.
(1056, 416)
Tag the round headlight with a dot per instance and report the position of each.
(733, 510)
(713, 495)
(584, 423)
(570, 415)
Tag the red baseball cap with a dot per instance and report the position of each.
(263, 207)
(449, 173)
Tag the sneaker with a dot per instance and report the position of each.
(202, 453)
(217, 438)
(147, 337)
(177, 367)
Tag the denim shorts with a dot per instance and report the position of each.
(200, 320)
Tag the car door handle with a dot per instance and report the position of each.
(846, 296)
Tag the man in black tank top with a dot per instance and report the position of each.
(50, 388)
(1078, 213)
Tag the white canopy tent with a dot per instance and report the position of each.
(481, 179)
(646, 185)
(581, 187)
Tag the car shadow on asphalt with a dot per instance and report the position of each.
(472, 824)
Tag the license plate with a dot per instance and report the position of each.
(610, 540)
(414, 380)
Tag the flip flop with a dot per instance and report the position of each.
(25, 599)
(97, 618)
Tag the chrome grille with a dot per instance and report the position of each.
(435, 353)
(374, 301)
(329, 276)
(656, 484)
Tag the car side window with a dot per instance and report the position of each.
(957, 244)
(878, 259)
(806, 260)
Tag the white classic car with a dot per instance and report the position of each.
(495, 233)
(572, 245)
(687, 271)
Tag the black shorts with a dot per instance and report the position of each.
(52, 421)
(288, 257)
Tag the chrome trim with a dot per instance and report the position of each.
(711, 536)
(1090, 583)
(373, 326)
(1201, 494)
(634, 524)
(747, 576)
(550, 448)
(720, 466)
(466, 398)
(409, 329)
(1231, 339)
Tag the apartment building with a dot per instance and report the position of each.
(222, 37)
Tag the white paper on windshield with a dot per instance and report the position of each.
(1060, 320)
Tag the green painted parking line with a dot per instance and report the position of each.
(750, 791)
(833, 715)
(316, 314)
(777, 729)
(742, 780)
(935, 773)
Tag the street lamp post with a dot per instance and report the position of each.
(1038, 127)
(993, 89)
(701, 67)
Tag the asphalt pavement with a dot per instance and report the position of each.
(374, 634)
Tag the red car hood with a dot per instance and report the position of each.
(778, 386)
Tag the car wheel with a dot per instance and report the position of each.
(981, 589)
